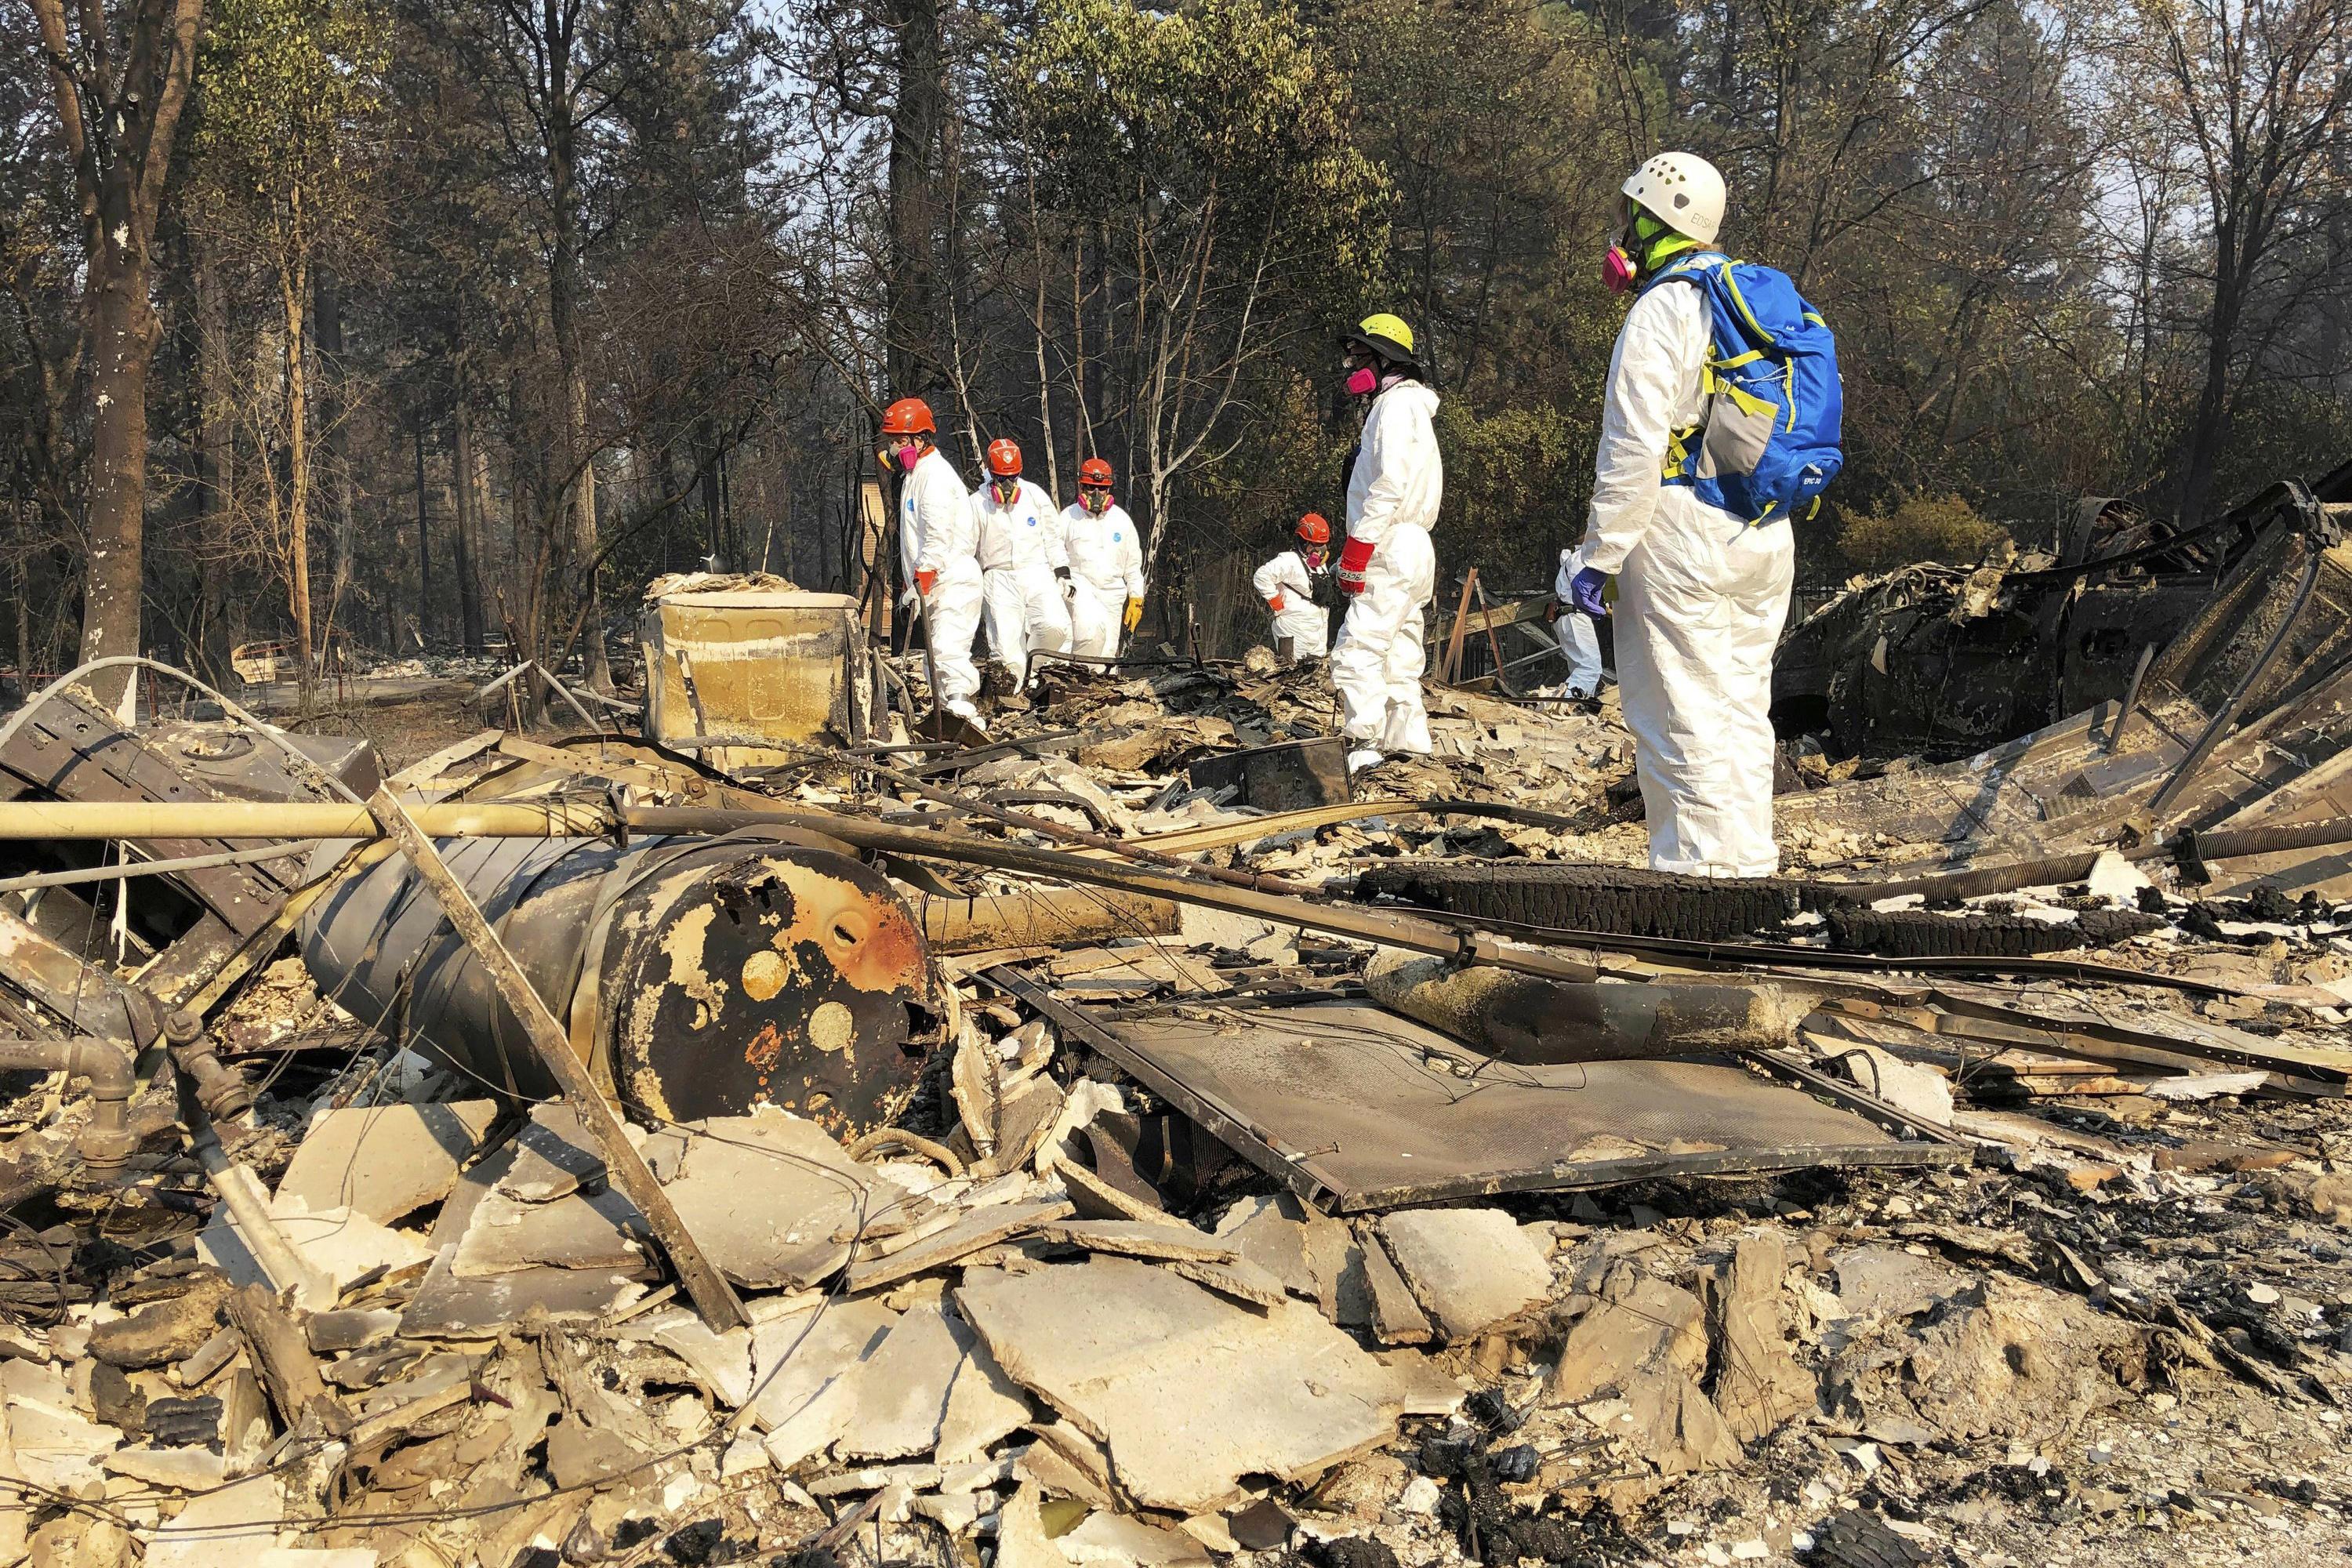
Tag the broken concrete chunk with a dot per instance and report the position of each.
(1337, 1261)
(1021, 1540)
(580, 1230)
(225, 1528)
(1266, 1231)
(56, 1447)
(341, 1244)
(553, 1155)
(800, 1363)
(1138, 1238)
(446, 1307)
(1122, 1541)
(1241, 1280)
(1886, 1280)
(1468, 1267)
(1397, 1317)
(984, 1405)
(899, 1394)
(1674, 1427)
(1757, 1383)
(384, 1162)
(1647, 1325)
(1096, 1198)
(721, 1362)
(166, 1331)
(997, 1223)
(1186, 1390)
(808, 1189)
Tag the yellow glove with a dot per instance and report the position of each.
(1134, 613)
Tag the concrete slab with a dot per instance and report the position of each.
(342, 1244)
(999, 1222)
(1188, 1391)
(800, 1363)
(1397, 1317)
(898, 1396)
(1140, 1238)
(1468, 1267)
(809, 1191)
(984, 1405)
(553, 1155)
(1268, 1232)
(384, 1162)
(225, 1528)
(1123, 1540)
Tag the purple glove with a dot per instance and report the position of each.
(1584, 590)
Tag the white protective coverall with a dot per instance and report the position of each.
(1579, 640)
(936, 534)
(1020, 546)
(1701, 598)
(1105, 571)
(1392, 496)
(1305, 623)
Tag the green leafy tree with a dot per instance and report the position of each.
(1206, 149)
(290, 89)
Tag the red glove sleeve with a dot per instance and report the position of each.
(1352, 562)
(1275, 604)
(923, 581)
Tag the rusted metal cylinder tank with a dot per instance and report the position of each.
(697, 976)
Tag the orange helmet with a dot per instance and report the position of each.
(1094, 471)
(1004, 457)
(908, 417)
(1313, 529)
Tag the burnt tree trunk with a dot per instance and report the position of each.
(119, 124)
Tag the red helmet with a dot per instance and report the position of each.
(908, 417)
(1004, 457)
(1313, 529)
(1094, 471)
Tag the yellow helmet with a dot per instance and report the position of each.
(1385, 335)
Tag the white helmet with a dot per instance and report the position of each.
(1683, 190)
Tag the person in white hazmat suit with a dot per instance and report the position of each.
(936, 541)
(1106, 564)
(1023, 564)
(1701, 595)
(1580, 639)
(1302, 628)
(1387, 567)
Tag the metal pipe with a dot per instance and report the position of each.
(154, 867)
(247, 819)
(248, 1205)
(106, 1143)
(220, 1088)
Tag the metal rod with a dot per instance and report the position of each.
(2223, 721)
(713, 1298)
(2131, 696)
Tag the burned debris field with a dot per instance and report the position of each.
(713, 1127)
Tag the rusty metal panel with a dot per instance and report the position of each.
(1341, 1103)
(762, 661)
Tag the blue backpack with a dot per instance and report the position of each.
(1773, 402)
